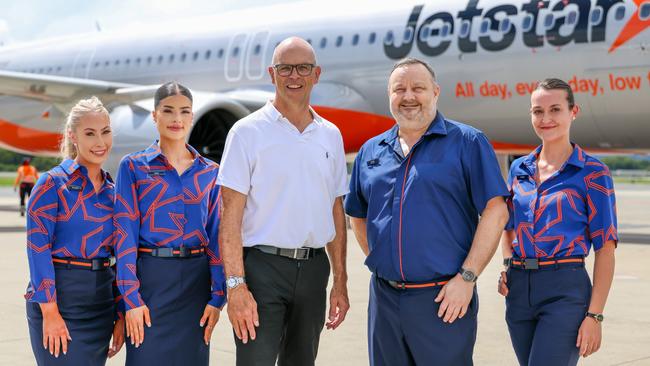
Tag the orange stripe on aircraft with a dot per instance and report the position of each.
(28, 140)
(633, 27)
(356, 127)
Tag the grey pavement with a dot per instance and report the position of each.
(626, 328)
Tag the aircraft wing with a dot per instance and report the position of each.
(62, 89)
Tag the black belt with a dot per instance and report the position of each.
(412, 285)
(298, 253)
(182, 252)
(537, 263)
(94, 264)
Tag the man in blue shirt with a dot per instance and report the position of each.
(416, 194)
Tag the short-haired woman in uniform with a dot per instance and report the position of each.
(562, 205)
(166, 222)
(71, 306)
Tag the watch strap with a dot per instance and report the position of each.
(598, 317)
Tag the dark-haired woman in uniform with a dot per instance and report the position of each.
(562, 202)
(166, 223)
(71, 306)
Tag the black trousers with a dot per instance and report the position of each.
(25, 190)
(290, 296)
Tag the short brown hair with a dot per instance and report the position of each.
(413, 61)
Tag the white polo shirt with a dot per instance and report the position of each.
(291, 178)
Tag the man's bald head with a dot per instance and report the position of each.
(292, 47)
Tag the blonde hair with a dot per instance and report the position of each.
(81, 109)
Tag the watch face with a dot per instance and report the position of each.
(468, 276)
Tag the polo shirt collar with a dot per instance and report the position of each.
(437, 127)
(153, 151)
(577, 159)
(274, 115)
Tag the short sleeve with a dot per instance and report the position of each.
(340, 170)
(601, 207)
(235, 167)
(356, 204)
(482, 172)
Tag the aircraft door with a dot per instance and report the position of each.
(82, 63)
(235, 57)
(256, 56)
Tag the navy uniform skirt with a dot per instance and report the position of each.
(176, 291)
(86, 303)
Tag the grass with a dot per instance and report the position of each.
(7, 181)
(632, 180)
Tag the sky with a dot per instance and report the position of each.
(27, 20)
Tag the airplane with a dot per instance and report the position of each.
(488, 56)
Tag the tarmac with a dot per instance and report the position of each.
(626, 329)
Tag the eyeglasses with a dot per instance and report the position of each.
(287, 69)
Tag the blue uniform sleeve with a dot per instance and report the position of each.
(510, 225)
(355, 202)
(126, 220)
(218, 283)
(482, 172)
(601, 206)
(41, 221)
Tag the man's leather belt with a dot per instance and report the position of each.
(536, 263)
(182, 252)
(298, 253)
(413, 285)
(94, 264)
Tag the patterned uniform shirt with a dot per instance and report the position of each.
(568, 213)
(66, 218)
(157, 208)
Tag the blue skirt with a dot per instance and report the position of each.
(176, 291)
(86, 303)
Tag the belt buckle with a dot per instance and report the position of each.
(531, 263)
(163, 252)
(97, 264)
(111, 261)
(304, 253)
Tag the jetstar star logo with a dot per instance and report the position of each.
(541, 22)
(639, 21)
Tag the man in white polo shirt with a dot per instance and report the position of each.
(283, 175)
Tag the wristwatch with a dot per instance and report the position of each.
(468, 276)
(234, 281)
(599, 317)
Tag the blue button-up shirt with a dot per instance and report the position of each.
(422, 209)
(572, 210)
(66, 218)
(157, 208)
